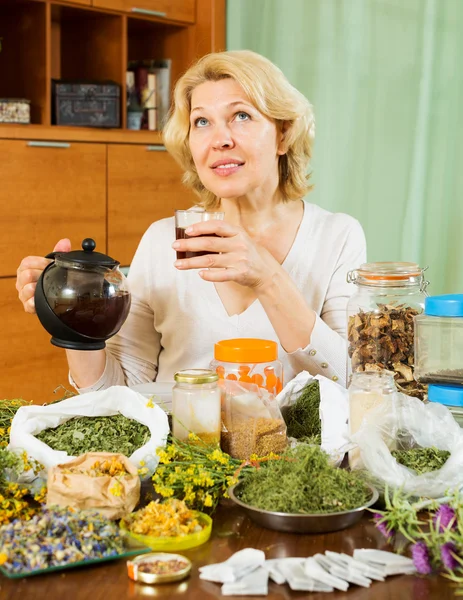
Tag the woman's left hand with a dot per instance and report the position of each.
(235, 256)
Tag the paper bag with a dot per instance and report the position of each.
(112, 496)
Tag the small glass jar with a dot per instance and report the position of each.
(381, 314)
(249, 360)
(450, 396)
(439, 340)
(367, 391)
(196, 406)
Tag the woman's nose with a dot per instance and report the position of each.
(222, 138)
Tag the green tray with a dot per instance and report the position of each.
(80, 563)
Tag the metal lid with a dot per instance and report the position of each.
(450, 395)
(196, 376)
(446, 305)
(86, 256)
(136, 567)
(388, 274)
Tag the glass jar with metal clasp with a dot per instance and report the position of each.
(381, 321)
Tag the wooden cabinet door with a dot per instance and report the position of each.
(174, 10)
(144, 185)
(48, 193)
(30, 367)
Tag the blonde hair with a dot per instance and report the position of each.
(272, 95)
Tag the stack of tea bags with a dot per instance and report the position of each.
(246, 572)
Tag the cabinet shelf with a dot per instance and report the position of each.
(79, 134)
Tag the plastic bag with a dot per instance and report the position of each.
(31, 420)
(251, 421)
(402, 423)
(334, 410)
(112, 496)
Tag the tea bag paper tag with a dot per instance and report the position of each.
(236, 567)
(253, 584)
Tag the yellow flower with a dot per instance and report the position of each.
(3, 558)
(116, 490)
(208, 500)
(150, 403)
(142, 463)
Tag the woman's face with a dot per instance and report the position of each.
(235, 147)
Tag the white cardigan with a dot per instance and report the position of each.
(176, 317)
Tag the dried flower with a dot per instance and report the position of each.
(444, 517)
(382, 527)
(448, 556)
(420, 554)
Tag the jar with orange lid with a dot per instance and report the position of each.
(249, 360)
(381, 321)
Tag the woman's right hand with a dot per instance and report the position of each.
(29, 271)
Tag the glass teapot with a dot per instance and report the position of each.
(82, 298)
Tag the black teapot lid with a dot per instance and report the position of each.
(86, 256)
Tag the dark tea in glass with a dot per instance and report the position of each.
(185, 218)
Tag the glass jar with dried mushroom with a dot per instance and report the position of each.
(381, 315)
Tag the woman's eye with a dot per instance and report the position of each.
(201, 122)
(242, 116)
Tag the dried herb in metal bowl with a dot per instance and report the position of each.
(422, 460)
(302, 481)
(96, 434)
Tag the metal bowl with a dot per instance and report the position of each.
(303, 523)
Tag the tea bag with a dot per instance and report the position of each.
(314, 570)
(271, 565)
(367, 570)
(390, 562)
(252, 584)
(293, 571)
(236, 567)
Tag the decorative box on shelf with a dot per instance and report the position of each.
(86, 104)
(15, 110)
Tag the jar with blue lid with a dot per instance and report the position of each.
(449, 395)
(439, 341)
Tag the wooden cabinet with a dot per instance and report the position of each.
(78, 182)
(50, 190)
(30, 366)
(173, 10)
(144, 185)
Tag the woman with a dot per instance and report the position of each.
(243, 136)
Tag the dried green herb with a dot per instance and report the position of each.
(96, 434)
(303, 481)
(422, 460)
(303, 417)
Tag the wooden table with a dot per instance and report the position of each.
(232, 531)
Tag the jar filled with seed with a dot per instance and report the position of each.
(381, 327)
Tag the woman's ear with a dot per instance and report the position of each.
(282, 144)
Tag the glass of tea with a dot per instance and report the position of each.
(185, 218)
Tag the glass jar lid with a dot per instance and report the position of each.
(390, 274)
(246, 350)
(450, 395)
(196, 376)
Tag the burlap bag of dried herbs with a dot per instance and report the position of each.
(106, 482)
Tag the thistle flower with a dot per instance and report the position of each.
(447, 553)
(444, 517)
(420, 554)
(382, 527)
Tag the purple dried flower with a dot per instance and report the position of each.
(420, 554)
(382, 527)
(445, 516)
(447, 552)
